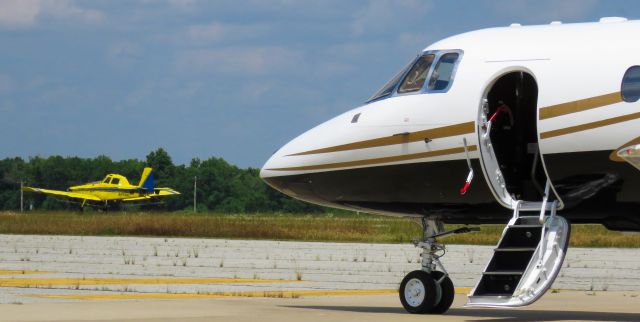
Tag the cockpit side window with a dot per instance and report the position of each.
(106, 180)
(115, 181)
(441, 76)
(388, 88)
(417, 75)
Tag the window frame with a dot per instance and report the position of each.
(433, 61)
(454, 69)
(398, 77)
(425, 87)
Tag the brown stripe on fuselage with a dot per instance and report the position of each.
(589, 126)
(375, 161)
(579, 105)
(436, 133)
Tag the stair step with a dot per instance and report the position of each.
(515, 249)
(525, 226)
(521, 236)
(504, 273)
(509, 261)
(497, 284)
(489, 295)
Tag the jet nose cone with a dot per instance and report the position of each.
(297, 185)
(268, 175)
(265, 173)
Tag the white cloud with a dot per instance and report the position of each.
(6, 84)
(207, 33)
(37, 82)
(256, 91)
(180, 6)
(27, 13)
(416, 41)
(541, 11)
(7, 106)
(182, 3)
(16, 13)
(124, 49)
(354, 50)
(124, 54)
(217, 31)
(332, 69)
(245, 60)
(380, 15)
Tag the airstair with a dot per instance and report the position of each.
(527, 258)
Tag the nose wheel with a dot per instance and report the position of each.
(426, 293)
(429, 290)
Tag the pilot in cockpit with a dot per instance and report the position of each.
(417, 76)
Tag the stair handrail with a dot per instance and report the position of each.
(545, 199)
(516, 212)
(543, 241)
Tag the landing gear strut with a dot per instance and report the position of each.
(429, 290)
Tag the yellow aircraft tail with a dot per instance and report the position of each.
(146, 180)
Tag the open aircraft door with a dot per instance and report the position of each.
(533, 245)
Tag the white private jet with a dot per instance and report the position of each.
(548, 119)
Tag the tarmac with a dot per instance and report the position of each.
(563, 306)
(73, 278)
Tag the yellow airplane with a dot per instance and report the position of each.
(112, 188)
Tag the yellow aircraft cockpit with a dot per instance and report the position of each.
(116, 179)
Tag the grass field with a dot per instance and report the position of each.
(301, 227)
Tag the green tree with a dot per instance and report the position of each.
(222, 187)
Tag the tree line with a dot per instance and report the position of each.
(221, 187)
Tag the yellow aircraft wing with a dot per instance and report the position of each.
(137, 198)
(62, 193)
(158, 192)
(161, 192)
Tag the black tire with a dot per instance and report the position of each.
(429, 299)
(447, 293)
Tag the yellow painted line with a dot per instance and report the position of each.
(463, 290)
(35, 282)
(21, 272)
(272, 294)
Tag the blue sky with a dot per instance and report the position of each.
(231, 79)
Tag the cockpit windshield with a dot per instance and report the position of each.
(412, 77)
(417, 75)
(388, 88)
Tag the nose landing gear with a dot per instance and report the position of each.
(429, 290)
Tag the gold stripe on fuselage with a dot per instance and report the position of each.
(436, 133)
(579, 105)
(376, 161)
(460, 129)
(589, 126)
